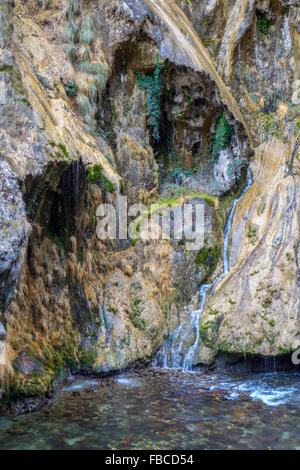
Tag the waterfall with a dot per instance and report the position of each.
(190, 356)
(227, 232)
(175, 353)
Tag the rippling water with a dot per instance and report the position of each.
(165, 410)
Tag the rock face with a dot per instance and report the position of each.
(14, 232)
(164, 102)
(255, 308)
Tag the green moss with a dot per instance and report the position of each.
(252, 233)
(25, 100)
(63, 148)
(164, 202)
(87, 358)
(208, 257)
(113, 310)
(283, 351)
(135, 314)
(96, 176)
(266, 303)
(50, 361)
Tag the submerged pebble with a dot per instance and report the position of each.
(162, 410)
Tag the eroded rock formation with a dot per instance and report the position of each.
(165, 102)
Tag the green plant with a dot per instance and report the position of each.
(153, 84)
(178, 174)
(177, 113)
(266, 303)
(252, 233)
(71, 30)
(208, 257)
(100, 78)
(87, 31)
(70, 88)
(71, 51)
(235, 168)
(44, 3)
(95, 176)
(135, 315)
(113, 310)
(263, 24)
(223, 134)
(269, 125)
(92, 90)
(85, 107)
(71, 9)
(94, 68)
(87, 358)
(63, 148)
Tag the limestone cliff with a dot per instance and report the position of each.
(162, 101)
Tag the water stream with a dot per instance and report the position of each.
(165, 409)
(227, 232)
(176, 352)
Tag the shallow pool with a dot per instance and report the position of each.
(157, 409)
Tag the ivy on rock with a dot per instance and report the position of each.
(153, 84)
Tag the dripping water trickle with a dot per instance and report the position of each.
(227, 231)
(175, 353)
(76, 185)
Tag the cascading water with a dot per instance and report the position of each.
(227, 232)
(176, 353)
